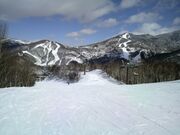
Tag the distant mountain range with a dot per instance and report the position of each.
(126, 57)
(127, 46)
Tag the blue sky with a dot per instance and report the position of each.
(77, 22)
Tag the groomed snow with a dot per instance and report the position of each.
(125, 35)
(94, 106)
(55, 54)
(38, 60)
(47, 49)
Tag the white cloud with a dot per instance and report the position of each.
(82, 10)
(176, 21)
(83, 32)
(143, 17)
(129, 3)
(108, 23)
(149, 28)
(87, 31)
(73, 34)
(154, 29)
(164, 5)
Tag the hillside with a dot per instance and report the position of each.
(133, 48)
(95, 105)
(126, 57)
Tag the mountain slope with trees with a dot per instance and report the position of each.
(126, 57)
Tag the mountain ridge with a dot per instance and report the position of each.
(128, 58)
(128, 46)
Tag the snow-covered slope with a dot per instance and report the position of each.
(51, 53)
(94, 106)
(127, 46)
(46, 53)
(43, 57)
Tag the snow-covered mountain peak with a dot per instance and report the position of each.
(48, 53)
(126, 46)
(126, 35)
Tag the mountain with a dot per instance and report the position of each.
(127, 57)
(127, 46)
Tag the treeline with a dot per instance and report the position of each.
(15, 71)
(69, 73)
(157, 71)
(146, 72)
(3, 34)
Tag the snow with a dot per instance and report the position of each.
(38, 60)
(55, 53)
(47, 49)
(41, 45)
(78, 60)
(124, 45)
(94, 106)
(23, 41)
(50, 47)
(125, 35)
(126, 50)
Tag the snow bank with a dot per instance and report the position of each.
(94, 106)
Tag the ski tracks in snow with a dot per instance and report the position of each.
(98, 107)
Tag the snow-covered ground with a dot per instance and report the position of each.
(94, 106)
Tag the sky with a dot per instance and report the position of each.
(80, 22)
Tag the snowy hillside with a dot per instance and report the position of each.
(126, 46)
(47, 53)
(94, 106)
(52, 53)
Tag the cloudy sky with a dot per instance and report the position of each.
(77, 22)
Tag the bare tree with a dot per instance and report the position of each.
(3, 34)
(3, 30)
